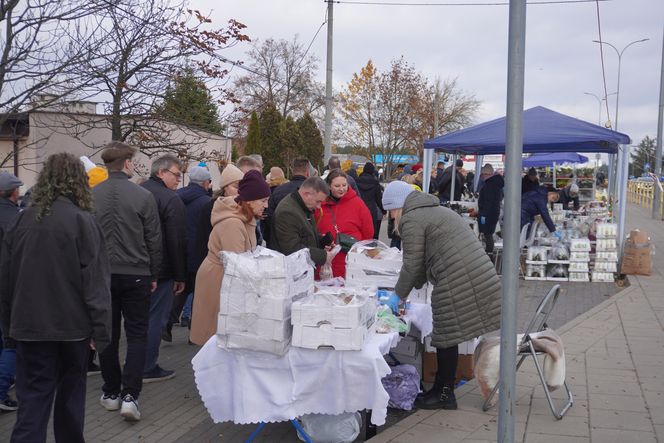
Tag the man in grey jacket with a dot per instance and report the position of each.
(128, 217)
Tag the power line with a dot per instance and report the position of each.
(542, 2)
(601, 54)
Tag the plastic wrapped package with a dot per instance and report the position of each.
(558, 253)
(557, 207)
(579, 256)
(606, 266)
(557, 272)
(387, 322)
(327, 336)
(534, 272)
(578, 267)
(603, 256)
(339, 307)
(251, 324)
(606, 230)
(606, 244)
(371, 262)
(579, 276)
(580, 245)
(606, 277)
(326, 269)
(536, 254)
(322, 428)
(402, 385)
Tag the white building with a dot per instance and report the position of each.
(75, 127)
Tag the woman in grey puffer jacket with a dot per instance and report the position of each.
(439, 247)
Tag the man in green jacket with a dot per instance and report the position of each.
(294, 223)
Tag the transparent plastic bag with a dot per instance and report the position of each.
(324, 428)
(557, 271)
(326, 270)
(559, 252)
(387, 322)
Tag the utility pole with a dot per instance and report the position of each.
(516, 61)
(328, 84)
(658, 147)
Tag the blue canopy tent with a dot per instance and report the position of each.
(553, 158)
(544, 130)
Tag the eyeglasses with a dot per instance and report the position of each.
(177, 175)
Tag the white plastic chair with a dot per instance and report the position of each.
(526, 349)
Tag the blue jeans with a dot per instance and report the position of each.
(161, 302)
(7, 369)
(186, 311)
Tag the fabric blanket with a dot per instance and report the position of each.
(487, 360)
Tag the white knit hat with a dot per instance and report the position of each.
(229, 175)
(395, 195)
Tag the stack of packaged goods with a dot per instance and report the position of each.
(333, 317)
(256, 296)
(558, 213)
(598, 209)
(606, 253)
(558, 263)
(536, 260)
(579, 259)
(373, 263)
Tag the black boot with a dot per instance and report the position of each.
(435, 390)
(442, 399)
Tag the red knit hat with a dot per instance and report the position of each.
(416, 168)
(252, 187)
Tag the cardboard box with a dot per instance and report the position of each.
(358, 276)
(315, 337)
(430, 367)
(408, 347)
(236, 301)
(637, 237)
(252, 343)
(250, 324)
(327, 306)
(636, 260)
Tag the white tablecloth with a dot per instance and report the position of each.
(421, 316)
(251, 387)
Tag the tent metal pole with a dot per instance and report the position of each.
(479, 159)
(555, 181)
(426, 178)
(454, 172)
(622, 178)
(660, 134)
(512, 219)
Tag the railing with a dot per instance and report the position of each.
(642, 193)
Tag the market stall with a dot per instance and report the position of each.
(287, 347)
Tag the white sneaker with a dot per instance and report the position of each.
(110, 401)
(129, 409)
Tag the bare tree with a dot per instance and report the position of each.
(146, 45)
(280, 72)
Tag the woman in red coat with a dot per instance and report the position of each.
(343, 211)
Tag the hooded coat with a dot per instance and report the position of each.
(438, 247)
(230, 232)
(348, 215)
(535, 203)
(371, 193)
(194, 197)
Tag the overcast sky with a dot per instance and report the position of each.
(470, 43)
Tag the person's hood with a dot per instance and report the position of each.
(366, 181)
(348, 196)
(225, 208)
(540, 192)
(191, 192)
(417, 200)
(496, 180)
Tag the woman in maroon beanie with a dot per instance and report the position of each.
(234, 230)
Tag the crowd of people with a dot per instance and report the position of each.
(96, 252)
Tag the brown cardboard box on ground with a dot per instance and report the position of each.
(430, 366)
(636, 260)
(637, 237)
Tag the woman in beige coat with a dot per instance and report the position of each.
(233, 230)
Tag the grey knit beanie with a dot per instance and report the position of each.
(395, 195)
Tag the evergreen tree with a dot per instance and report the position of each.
(312, 141)
(188, 101)
(253, 135)
(643, 159)
(292, 142)
(271, 144)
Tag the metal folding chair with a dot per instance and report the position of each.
(526, 349)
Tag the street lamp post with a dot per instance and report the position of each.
(599, 102)
(623, 154)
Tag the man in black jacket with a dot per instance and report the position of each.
(9, 185)
(300, 170)
(165, 175)
(127, 215)
(54, 297)
(371, 193)
(488, 204)
(445, 184)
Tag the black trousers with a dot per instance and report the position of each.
(130, 298)
(447, 359)
(377, 223)
(46, 370)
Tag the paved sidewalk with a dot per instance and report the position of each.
(615, 360)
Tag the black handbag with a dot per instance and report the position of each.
(344, 240)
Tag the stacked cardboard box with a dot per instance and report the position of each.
(637, 254)
(256, 296)
(606, 253)
(338, 318)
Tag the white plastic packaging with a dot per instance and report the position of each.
(322, 428)
(579, 245)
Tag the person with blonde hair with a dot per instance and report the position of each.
(233, 230)
(276, 177)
